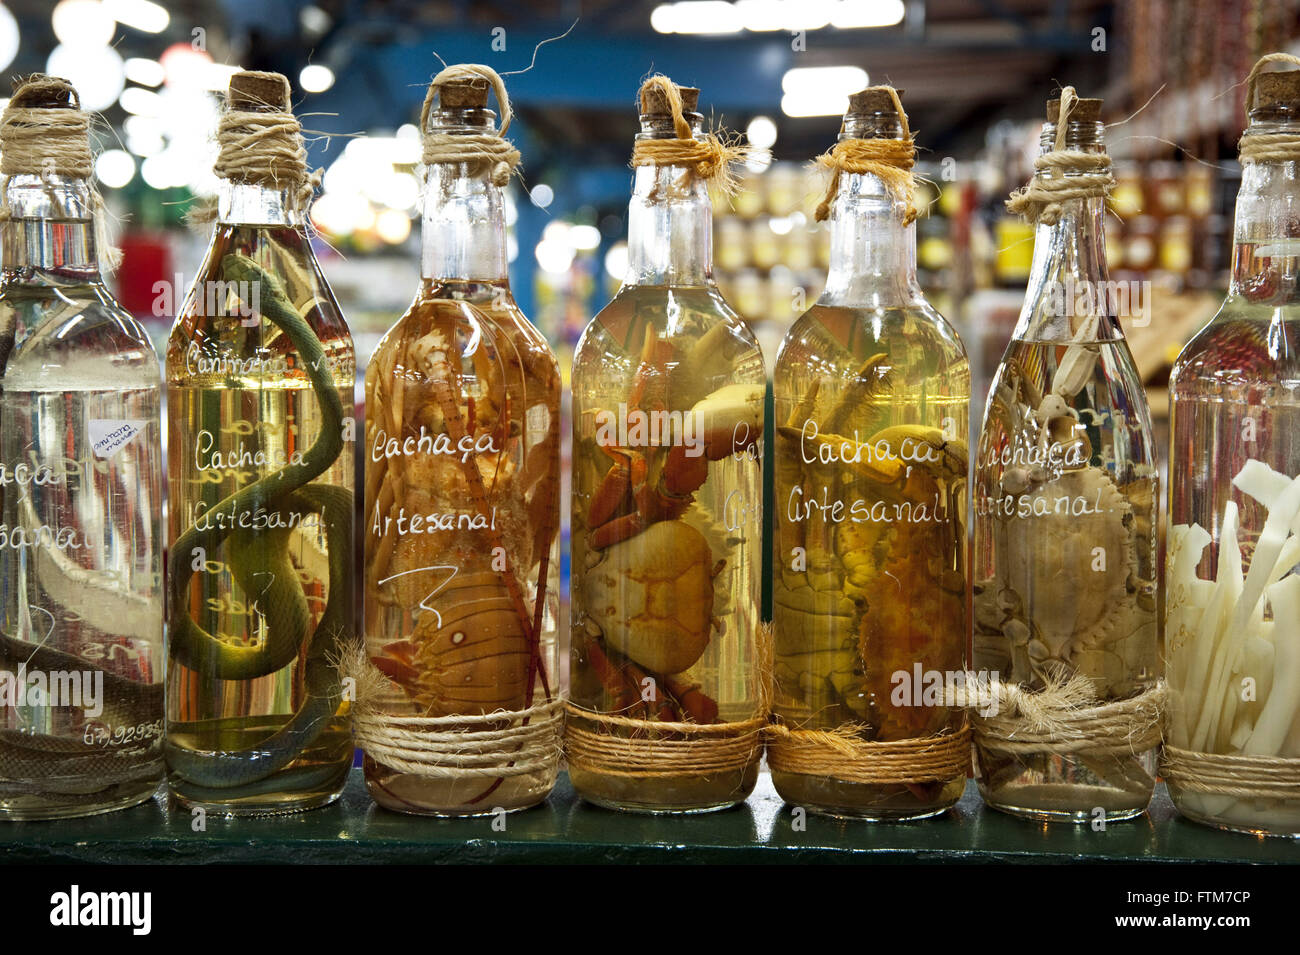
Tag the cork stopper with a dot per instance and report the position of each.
(1280, 89)
(654, 103)
(464, 94)
(873, 100)
(41, 91)
(1084, 111)
(252, 91)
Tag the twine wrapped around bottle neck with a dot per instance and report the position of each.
(52, 141)
(261, 146)
(890, 160)
(1072, 174)
(1267, 147)
(710, 158)
(473, 148)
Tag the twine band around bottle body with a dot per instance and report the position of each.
(475, 149)
(890, 160)
(628, 747)
(1065, 719)
(51, 141)
(710, 158)
(654, 749)
(1062, 175)
(1245, 777)
(843, 755)
(1267, 147)
(497, 745)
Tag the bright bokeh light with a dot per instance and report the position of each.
(393, 226)
(143, 15)
(114, 168)
(315, 78)
(9, 37)
(760, 16)
(616, 260)
(820, 90)
(542, 196)
(584, 238)
(761, 132)
(145, 72)
(83, 23)
(141, 102)
(97, 73)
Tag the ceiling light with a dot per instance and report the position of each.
(315, 78)
(867, 13)
(820, 90)
(82, 23)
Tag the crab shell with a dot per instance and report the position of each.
(468, 658)
(651, 596)
(1049, 560)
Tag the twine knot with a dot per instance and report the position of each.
(265, 147)
(474, 149)
(890, 160)
(52, 141)
(1062, 175)
(709, 159)
(1267, 147)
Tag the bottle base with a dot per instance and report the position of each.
(867, 802)
(1271, 818)
(671, 796)
(1065, 804)
(33, 809)
(241, 809)
(454, 798)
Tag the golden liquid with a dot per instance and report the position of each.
(442, 563)
(869, 579)
(236, 391)
(1065, 573)
(680, 605)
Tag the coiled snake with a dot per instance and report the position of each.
(251, 555)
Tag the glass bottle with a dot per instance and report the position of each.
(870, 543)
(462, 487)
(81, 648)
(1065, 514)
(668, 391)
(1233, 656)
(260, 370)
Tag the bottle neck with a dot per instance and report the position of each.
(1068, 280)
(1265, 250)
(669, 221)
(249, 203)
(463, 230)
(51, 228)
(873, 254)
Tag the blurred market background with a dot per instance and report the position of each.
(975, 76)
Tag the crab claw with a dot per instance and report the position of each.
(729, 420)
(621, 480)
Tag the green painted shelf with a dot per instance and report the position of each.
(565, 829)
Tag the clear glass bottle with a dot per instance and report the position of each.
(1233, 657)
(260, 371)
(872, 400)
(462, 503)
(81, 648)
(1065, 513)
(668, 391)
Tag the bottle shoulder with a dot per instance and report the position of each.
(1243, 345)
(73, 332)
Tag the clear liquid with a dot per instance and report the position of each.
(80, 555)
(1065, 566)
(241, 406)
(667, 589)
(1235, 398)
(441, 617)
(870, 559)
